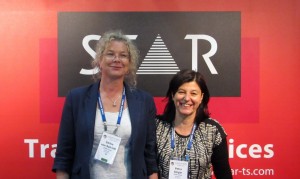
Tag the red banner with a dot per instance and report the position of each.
(262, 123)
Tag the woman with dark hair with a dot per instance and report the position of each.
(190, 144)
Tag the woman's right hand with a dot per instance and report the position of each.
(62, 175)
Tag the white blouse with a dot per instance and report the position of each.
(121, 167)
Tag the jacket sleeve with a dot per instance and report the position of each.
(150, 149)
(66, 141)
(220, 161)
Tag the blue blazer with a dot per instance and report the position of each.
(76, 132)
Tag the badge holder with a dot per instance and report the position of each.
(108, 147)
(178, 169)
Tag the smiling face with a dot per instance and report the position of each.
(115, 60)
(187, 99)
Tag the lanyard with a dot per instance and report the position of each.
(120, 111)
(190, 141)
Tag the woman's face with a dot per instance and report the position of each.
(187, 99)
(115, 60)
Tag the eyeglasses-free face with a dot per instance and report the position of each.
(187, 99)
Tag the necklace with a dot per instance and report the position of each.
(114, 100)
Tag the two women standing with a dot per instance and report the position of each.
(108, 129)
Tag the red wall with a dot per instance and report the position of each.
(270, 28)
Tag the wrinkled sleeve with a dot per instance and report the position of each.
(220, 159)
(150, 150)
(66, 142)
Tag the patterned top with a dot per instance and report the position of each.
(209, 136)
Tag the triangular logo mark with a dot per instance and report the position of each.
(158, 60)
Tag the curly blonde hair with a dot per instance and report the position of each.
(102, 44)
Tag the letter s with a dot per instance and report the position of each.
(269, 151)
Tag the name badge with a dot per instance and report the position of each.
(178, 169)
(108, 147)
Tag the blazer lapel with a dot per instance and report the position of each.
(134, 107)
(90, 104)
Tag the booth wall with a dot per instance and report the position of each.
(266, 146)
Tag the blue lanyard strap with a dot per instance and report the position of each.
(120, 110)
(190, 141)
